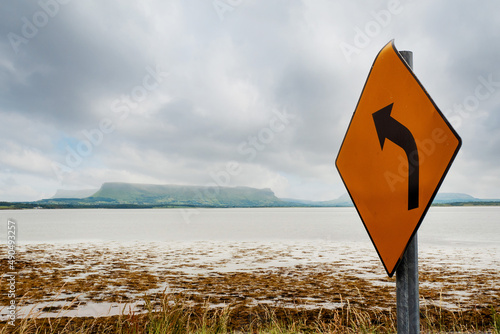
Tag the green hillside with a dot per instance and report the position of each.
(135, 195)
(175, 195)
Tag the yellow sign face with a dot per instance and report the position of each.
(395, 155)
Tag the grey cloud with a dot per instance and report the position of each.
(226, 79)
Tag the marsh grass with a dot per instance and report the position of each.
(496, 320)
(177, 314)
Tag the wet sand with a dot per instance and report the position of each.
(103, 279)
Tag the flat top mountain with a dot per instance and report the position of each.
(177, 195)
(136, 194)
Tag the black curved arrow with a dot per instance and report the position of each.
(388, 127)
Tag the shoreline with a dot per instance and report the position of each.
(309, 275)
(27, 206)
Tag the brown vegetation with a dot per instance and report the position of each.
(317, 295)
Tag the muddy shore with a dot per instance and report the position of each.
(106, 279)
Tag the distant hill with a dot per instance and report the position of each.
(440, 199)
(342, 201)
(135, 195)
(447, 198)
(152, 195)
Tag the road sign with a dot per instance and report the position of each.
(395, 155)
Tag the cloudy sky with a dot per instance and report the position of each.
(232, 92)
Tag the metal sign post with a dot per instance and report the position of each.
(407, 305)
(407, 302)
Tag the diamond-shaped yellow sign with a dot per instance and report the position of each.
(395, 155)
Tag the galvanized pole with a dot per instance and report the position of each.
(408, 312)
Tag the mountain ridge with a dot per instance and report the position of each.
(119, 194)
(440, 199)
(139, 194)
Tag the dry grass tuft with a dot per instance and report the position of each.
(167, 313)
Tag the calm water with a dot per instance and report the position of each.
(466, 226)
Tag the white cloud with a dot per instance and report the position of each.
(226, 78)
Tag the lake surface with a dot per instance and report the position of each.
(454, 226)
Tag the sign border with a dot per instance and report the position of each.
(428, 205)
